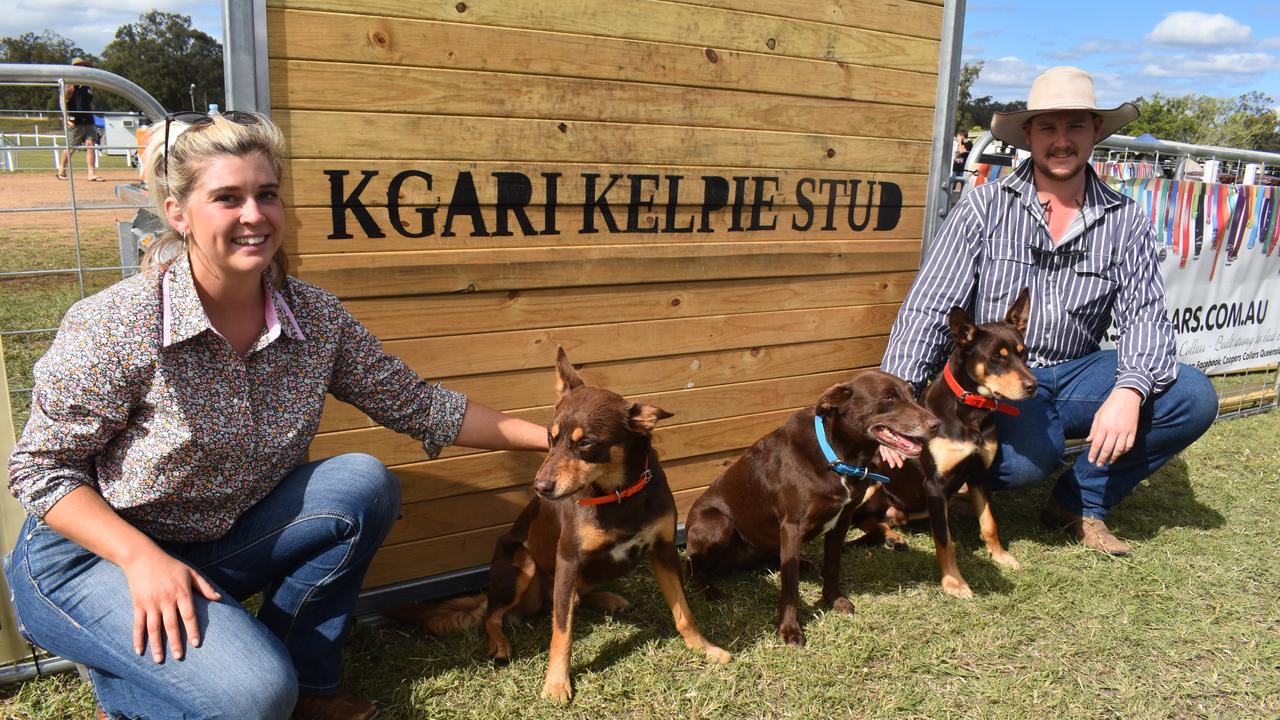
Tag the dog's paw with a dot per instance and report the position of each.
(792, 635)
(557, 690)
(1006, 561)
(717, 654)
(956, 588)
(500, 651)
(842, 604)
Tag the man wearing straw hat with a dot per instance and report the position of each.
(1088, 255)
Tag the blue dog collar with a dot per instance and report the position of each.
(835, 463)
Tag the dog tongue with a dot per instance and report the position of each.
(899, 442)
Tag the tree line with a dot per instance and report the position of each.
(1247, 122)
(161, 52)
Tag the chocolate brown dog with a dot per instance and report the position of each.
(602, 504)
(786, 490)
(988, 365)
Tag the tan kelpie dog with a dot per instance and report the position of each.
(801, 481)
(988, 365)
(602, 504)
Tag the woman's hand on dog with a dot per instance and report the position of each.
(891, 457)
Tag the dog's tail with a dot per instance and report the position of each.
(442, 618)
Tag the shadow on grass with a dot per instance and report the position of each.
(881, 571)
(1165, 500)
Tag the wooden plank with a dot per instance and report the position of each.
(409, 560)
(310, 230)
(513, 390)
(675, 441)
(416, 316)
(895, 17)
(499, 352)
(451, 355)
(305, 183)
(388, 274)
(459, 513)
(658, 21)
(321, 134)
(308, 85)
(492, 470)
(418, 43)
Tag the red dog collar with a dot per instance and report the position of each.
(626, 492)
(972, 400)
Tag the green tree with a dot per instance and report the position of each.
(166, 56)
(1252, 122)
(1248, 122)
(968, 74)
(43, 48)
(1186, 118)
(981, 109)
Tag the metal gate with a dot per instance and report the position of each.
(57, 249)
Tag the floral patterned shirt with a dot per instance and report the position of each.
(140, 398)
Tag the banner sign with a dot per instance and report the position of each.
(1221, 268)
(616, 202)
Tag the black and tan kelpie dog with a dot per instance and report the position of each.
(987, 367)
(801, 481)
(602, 504)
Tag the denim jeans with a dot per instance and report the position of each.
(1031, 445)
(306, 547)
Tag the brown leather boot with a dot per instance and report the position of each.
(1091, 532)
(342, 705)
(101, 714)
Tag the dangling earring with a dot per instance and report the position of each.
(185, 239)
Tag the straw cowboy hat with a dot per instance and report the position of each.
(79, 61)
(1060, 88)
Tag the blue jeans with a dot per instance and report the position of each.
(1031, 445)
(306, 547)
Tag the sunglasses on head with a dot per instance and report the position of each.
(194, 119)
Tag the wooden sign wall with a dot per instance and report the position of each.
(716, 206)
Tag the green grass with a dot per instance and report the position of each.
(1185, 628)
(40, 302)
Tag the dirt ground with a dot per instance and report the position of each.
(43, 190)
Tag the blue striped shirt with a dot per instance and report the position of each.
(996, 241)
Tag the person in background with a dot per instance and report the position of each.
(1088, 255)
(163, 465)
(960, 149)
(81, 129)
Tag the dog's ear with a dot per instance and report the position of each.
(1020, 311)
(963, 331)
(835, 396)
(566, 377)
(644, 417)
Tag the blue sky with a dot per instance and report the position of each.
(1133, 48)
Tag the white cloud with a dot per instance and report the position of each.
(1190, 28)
(1095, 46)
(1211, 65)
(1271, 43)
(1010, 71)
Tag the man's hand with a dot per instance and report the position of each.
(163, 606)
(1114, 426)
(891, 457)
